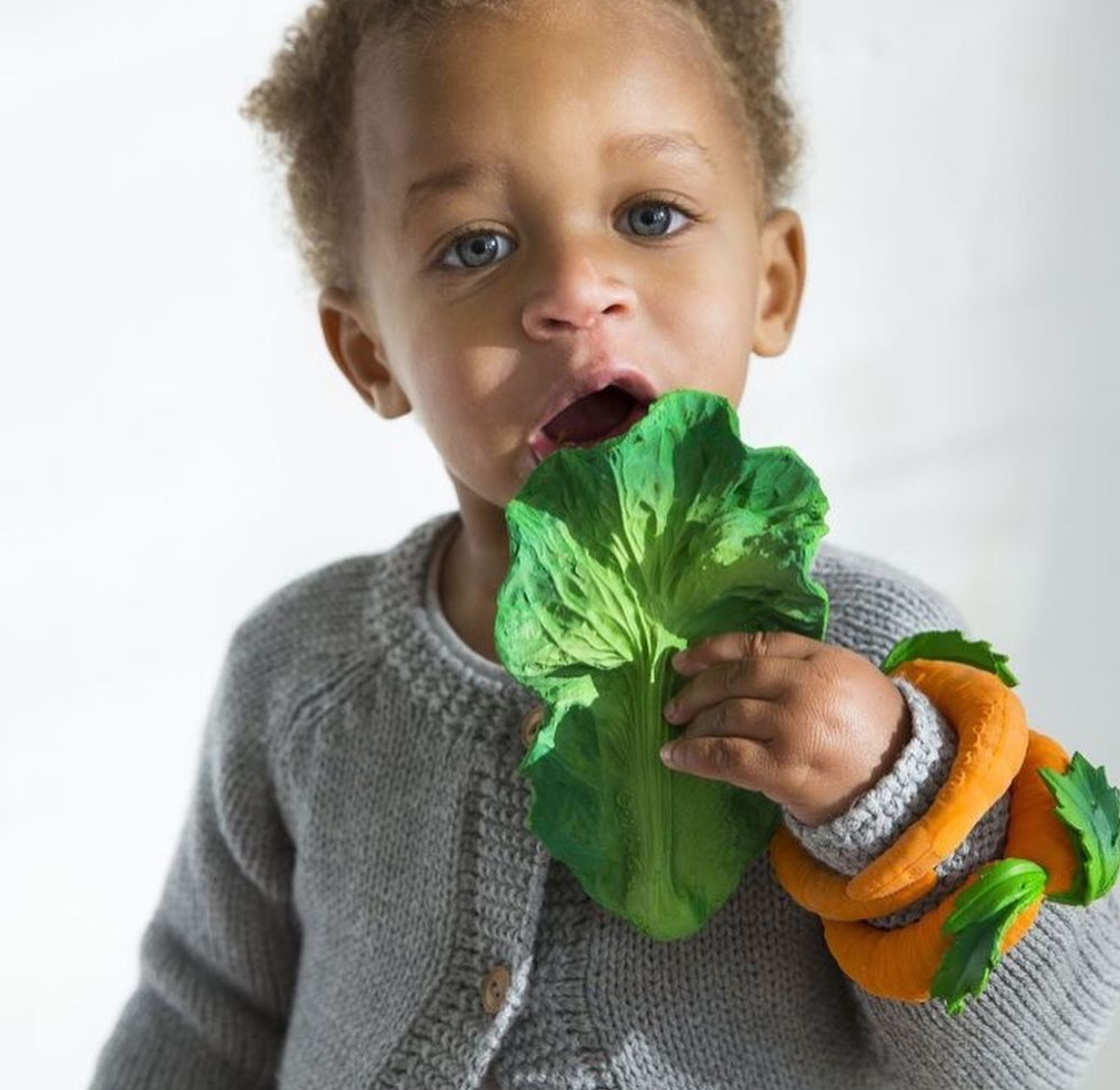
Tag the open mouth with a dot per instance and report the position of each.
(592, 419)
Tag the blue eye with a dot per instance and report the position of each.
(474, 248)
(651, 219)
(479, 245)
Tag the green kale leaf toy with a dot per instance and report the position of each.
(621, 554)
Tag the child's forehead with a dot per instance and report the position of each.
(431, 105)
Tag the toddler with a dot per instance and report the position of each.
(355, 901)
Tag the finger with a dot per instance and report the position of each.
(758, 679)
(740, 761)
(743, 717)
(738, 645)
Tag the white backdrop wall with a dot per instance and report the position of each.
(175, 442)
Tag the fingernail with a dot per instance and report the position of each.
(671, 710)
(667, 753)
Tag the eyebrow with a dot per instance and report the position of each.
(677, 144)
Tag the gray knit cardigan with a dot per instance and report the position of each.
(355, 902)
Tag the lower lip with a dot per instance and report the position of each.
(544, 445)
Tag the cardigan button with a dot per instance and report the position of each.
(531, 724)
(495, 984)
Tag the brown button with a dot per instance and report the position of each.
(495, 984)
(531, 724)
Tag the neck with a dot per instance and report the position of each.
(474, 565)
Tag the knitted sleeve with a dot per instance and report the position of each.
(218, 958)
(1049, 1001)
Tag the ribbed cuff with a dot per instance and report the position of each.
(877, 818)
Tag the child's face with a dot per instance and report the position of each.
(574, 256)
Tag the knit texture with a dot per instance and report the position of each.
(354, 862)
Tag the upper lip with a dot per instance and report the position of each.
(597, 377)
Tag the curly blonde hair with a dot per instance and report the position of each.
(304, 107)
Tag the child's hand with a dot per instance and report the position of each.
(810, 725)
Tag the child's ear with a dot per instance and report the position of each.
(359, 355)
(781, 280)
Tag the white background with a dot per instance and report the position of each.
(175, 442)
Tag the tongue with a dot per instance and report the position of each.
(591, 416)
